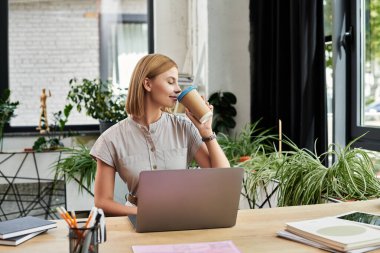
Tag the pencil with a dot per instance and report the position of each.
(83, 235)
(74, 218)
(68, 216)
(63, 216)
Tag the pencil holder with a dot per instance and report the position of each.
(84, 240)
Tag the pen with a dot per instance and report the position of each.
(91, 217)
(90, 233)
(103, 232)
(88, 220)
(82, 237)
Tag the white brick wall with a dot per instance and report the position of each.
(50, 42)
(124, 6)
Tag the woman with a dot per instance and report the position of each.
(151, 138)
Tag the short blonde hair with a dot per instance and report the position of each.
(149, 66)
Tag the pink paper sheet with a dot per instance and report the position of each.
(204, 247)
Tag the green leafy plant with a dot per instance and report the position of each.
(303, 179)
(251, 141)
(7, 109)
(61, 117)
(52, 139)
(246, 149)
(224, 111)
(99, 99)
(260, 170)
(352, 175)
(78, 166)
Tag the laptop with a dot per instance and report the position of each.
(187, 199)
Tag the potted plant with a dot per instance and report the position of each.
(249, 142)
(224, 111)
(78, 166)
(101, 100)
(351, 176)
(303, 179)
(52, 140)
(7, 109)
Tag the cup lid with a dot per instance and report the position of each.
(184, 92)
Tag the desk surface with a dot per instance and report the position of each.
(255, 231)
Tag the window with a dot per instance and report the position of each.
(51, 42)
(365, 74)
(124, 41)
(370, 67)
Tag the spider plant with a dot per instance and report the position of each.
(352, 176)
(245, 150)
(260, 170)
(250, 141)
(78, 166)
(303, 179)
(301, 176)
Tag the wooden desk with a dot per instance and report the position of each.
(255, 231)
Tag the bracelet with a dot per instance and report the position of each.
(210, 138)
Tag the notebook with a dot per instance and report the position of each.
(341, 235)
(14, 241)
(187, 199)
(24, 225)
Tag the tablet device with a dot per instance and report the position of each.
(369, 219)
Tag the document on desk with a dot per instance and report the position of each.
(204, 247)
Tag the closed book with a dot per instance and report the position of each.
(296, 238)
(335, 233)
(24, 225)
(14, 241)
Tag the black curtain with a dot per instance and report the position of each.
(288, 69)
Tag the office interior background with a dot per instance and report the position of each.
(312, 64)
(52, 42)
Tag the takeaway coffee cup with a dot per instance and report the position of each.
(191, 99)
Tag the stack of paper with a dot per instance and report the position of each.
(333, 234)
(14, 232)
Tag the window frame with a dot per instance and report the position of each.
(371, 140)
(106, 21)
(4, 67)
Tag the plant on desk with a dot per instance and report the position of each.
(303, 179)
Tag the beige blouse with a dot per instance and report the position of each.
(170, 143)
